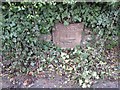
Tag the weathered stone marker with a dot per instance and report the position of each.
(67, 36)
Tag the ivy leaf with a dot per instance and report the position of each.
(39, 69)
(79, 19)
(12, 24)
(87, 81)
(67, 56)
(23, 69)
(84, 85)
(66, 23)
(94, 74)
(63, 54)
(14, 40)
(80, 82)
(85, 55)
(70, 68)
(97, 77)
(32, 64)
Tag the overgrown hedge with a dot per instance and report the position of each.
(23, 22)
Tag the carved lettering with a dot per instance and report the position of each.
(67, 36)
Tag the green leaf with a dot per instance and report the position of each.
(94, 74)
(85, 55)
(70, 68)
(32, 64)
(14, 40)
(80, 82)
(12, 24)
(84, 85)
(66, 23)
(39, 69)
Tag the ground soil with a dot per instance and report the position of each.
(48, 82)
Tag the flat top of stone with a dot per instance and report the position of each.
(68, 27)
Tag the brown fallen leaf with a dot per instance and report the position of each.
(27, 82)
(30, 73)
(41, 74)
(12, 79)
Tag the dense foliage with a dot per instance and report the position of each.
(24, 22)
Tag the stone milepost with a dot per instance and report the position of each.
(67, 36)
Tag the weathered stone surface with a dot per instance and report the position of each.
(67, 36)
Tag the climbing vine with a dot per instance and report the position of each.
(24, 22)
